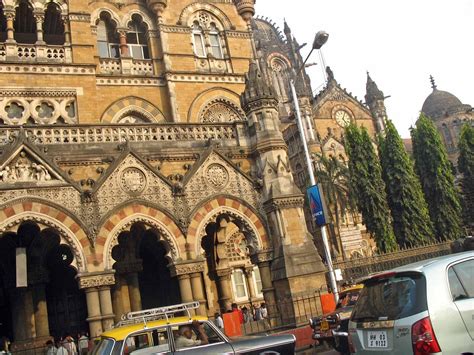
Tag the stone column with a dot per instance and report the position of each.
(9, 12)
(41, 311)
(186, 289)
(267, 287)
(18, 314)
(250, 283)
(124, 51)
(67, 30)
(134, 292)
(198, 292)
(99, 305)
(125, 294)
(106, 307)
(93, 311)
(224, 287)
(117, 300)
(39, 17)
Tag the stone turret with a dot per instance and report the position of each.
(297, 266)
(375, 99)
(245, 8)
(157, 6)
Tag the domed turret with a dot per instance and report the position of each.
(439, 103)
(245, 8)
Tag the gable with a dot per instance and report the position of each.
(24, 167)
(333, 98)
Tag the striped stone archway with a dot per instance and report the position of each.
(125, 217)
(70, 230)
(226, 205)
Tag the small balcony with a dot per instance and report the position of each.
(35, 53)
(126, 66)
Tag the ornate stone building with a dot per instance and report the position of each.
(142, 164)
(449, 115)
(325, 117)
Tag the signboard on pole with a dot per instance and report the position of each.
(317, 205)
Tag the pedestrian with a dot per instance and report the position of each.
(61, 350)
(257, 314)
(219, 322)
(264, 311)
(246, 314)
(50, 348)
(83, 344)
(235, 309)
(70, 345)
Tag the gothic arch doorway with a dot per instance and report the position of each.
(48, 302)
(143, 277)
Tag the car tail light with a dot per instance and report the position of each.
(352, 348)
(423, 338)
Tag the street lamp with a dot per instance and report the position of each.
(319, 40)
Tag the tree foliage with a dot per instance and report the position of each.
(411, 219)
(437, 179)
(466, 168)
(369, 187)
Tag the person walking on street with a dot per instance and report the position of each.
(50, 348)
(83, 344)
(219, 322)
(61, 349)
(235, 309)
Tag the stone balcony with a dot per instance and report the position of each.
(35, 53)
(126, 66)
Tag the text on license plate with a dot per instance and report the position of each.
(377, 340)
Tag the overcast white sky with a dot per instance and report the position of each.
(400, 42)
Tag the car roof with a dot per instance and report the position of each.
(120, 333)
(440, 262)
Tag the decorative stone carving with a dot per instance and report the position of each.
(24, 169)
(96, 279)
(219, 111)
(217, 176)
(186, 268)
(133, 180)
(262, 256)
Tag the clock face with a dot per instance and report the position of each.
(343, 119)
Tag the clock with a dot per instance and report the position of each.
(343, 118)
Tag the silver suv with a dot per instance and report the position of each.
(421, 308)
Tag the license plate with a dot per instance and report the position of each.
(377, 340)
(324, 325)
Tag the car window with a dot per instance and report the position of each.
(457, 290)
(185, 340)
(150, 341)
(465, 273)
(348, 299)
(397, 296)
(104, 347)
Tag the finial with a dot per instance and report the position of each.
(286, 28)
(433, 83)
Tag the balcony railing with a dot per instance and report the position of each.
(35, 53)
(126, 66)
(234, 133)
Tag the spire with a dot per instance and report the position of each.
(286, 28)
(373, 91)
(256, 88)
(433, 83)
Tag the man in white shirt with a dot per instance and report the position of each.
(185, 338)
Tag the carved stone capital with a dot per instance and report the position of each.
(292, 201)
(186, 268)
(224, 273)
(262, 256)
(96, 279)
(129, 266)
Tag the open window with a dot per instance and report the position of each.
(25, 24)
(107, 37)
(137, 38)
(53, 26)
(153, 341)
(198, 41)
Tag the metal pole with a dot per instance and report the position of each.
(312, 179)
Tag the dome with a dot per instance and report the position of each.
(439, 102)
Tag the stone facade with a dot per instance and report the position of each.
(142, 163)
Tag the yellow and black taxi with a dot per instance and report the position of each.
(332, 328)
(164, 331)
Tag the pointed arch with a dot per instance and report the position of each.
(207, 96)
(126, 109)
(186, 18)
(220, 110)
(243, 214)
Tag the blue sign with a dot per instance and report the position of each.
(316, 205)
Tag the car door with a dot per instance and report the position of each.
(461, 283)
(218, 343)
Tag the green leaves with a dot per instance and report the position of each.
(411, 219)
(466, 168)
(437, 179)
(369, 187)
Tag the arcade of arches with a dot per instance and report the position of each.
(61, 297)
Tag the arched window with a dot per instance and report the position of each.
(198, 41)
(107, 37)
(25, 24)
(136, 38)
(239, 285)
(53, 25)
(3, 25)
(214, 39)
